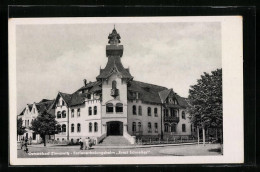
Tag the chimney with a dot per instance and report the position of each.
(85, 82)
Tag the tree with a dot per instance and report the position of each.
(206, 102)
(20, 128)
(45, 124)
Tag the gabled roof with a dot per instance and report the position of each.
(164, 94)
(71, 99)
(114, 62)
(30, 106)
(22, 112)
(91, 85)
(183, 102)
(43, 106)
(147, 92)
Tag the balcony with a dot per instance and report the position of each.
(171, 119)
(114, 92)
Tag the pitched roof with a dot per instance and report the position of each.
(183, 102)
(43, 106)
(77, 99)
(114, 62)
(164, 94)
(90, 85)
(72, 99)
(30, 106)
(147, 92)
(22, 112)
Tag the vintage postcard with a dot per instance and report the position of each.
(126, 90)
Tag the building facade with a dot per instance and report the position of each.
(116, 104)
(30, 113)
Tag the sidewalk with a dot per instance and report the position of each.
(64, 146)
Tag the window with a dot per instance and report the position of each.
(119, 107)
(165, 111)
(156, 127)
(78, 112)
(63, 103)
(134, 127)
(155, 112)
(95, 110)
(90, 127)
(183, 115)
(59, 128)
(139, 126)
(172, 112)
(59, 114)
(166, 128)
(34, 136)
(173, 128)
(113, 84)
(78, 128)
(149, 127)
(64, 114)
(72, 113)
(33, 110)
(63, 128)
(149, 111)
(95, 126)
(140, 110)
(109, 107)
(89, 110)
(134, 110)
(72, 128)
(183, 128)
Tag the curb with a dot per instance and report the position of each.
(118, 147)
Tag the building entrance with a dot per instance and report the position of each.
(114, 128)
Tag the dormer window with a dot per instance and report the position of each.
(33, 110)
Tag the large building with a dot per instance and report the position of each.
(116, 104)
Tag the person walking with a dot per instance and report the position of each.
(87, 143)
(22, 142)
(81, 144)
(25, 145)
(30, 140)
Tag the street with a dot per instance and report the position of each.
(73, 151)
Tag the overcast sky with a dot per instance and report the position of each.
(52, 58)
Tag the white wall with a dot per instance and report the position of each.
(107, 98)
(144, 118)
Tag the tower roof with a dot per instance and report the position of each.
(114, 53)
(114, 37)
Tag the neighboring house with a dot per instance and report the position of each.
(116, 104)
(30, 113)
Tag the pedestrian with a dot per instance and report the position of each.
(22, 142)
(30, 140)
(81, 144)
(25, 145)
(87, 143)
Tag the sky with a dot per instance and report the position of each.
(57, 57)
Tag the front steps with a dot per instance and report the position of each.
(115, 140)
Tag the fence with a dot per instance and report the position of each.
(174, 140)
